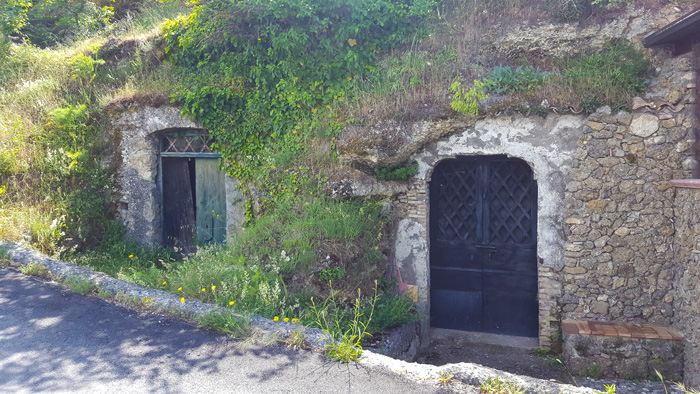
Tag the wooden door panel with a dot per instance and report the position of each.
(178, 205)
(211, 201)
(483, 245)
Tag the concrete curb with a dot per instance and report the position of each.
(314, 337)
(468, 373)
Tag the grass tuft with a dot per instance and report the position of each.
(236, 326)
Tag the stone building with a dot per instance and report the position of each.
(514, 224)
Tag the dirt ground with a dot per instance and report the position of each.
(510, 354)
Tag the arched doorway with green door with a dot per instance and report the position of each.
(193, 191)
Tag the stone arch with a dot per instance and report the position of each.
(548, 146)
(139, 172)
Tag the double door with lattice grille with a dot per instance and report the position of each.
(483, 250)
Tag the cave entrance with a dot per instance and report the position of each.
(483, 247)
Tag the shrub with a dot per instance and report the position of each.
(467, 101)
(401, 172)
(503, 79)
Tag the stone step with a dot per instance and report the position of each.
(645, 331)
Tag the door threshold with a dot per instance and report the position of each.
(485, 338)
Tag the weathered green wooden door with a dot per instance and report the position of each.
(211, 201)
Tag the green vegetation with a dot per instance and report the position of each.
(593, 371)
(36, 270)
(276, 83)
(236, 326)
(445, 377)
(400, 173)
(5, 257)
(504, 79)
(608, 389)
(346, 335)
(467, 101)
(497, 386)
(80, 286)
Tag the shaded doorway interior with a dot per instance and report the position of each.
(483, 246)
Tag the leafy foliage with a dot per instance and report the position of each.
(50, 22)
(401, 172)
(263, 76)
(614, 75)
(504, 79)
(467, 101)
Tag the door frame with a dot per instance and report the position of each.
(162, 153)
(484, 178)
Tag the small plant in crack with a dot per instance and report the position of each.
(446, 377)
(78, 285)
(35, 269)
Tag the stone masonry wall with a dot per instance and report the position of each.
(619, 259)
(687, 294)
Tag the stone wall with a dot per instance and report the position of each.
(687, 274)
(140, 203)
(619, 260)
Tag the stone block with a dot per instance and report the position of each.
(644, 125)
(623, 357)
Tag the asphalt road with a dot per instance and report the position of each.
(53, 340)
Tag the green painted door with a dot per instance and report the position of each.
(211, 201)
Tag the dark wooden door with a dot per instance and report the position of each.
(483, 251)
(178, 203)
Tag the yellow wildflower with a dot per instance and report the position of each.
(213, 287)
(277, 318)
(286, 319)
(352, 42)
(179, 289)
(349, 79)
(295, 320)
(314, 110)
(182, 300)
(164, 282)
(131, 256)
(204, 289)
(231, 302)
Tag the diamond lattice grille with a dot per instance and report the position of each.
(510, 209)
(187, 143)
(457, 203)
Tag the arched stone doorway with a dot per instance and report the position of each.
(483, 254)
(154, 141)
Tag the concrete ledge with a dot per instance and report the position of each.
(315, 338)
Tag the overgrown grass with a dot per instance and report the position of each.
(235, 325)
(493, 385)
(54, 192)
(35, 269)
(80, 286)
